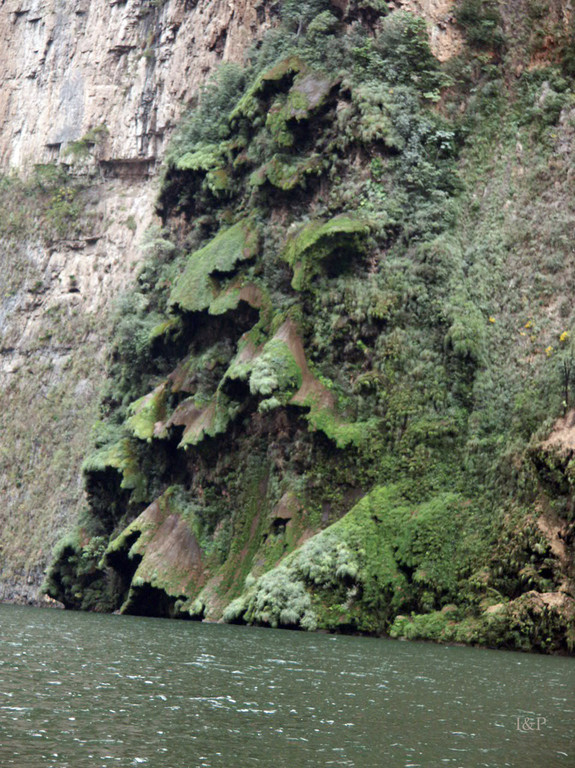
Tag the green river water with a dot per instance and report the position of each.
(90, 691)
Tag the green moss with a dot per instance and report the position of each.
(205, 157)
(123, 457)
(249, 524)
(227, 300)
(196, 288)
(316, 241)
(276, 124)
(354, 572)
(207, 419)
(210, 161)
(218, 180)
(147, 412)
(287, 172)
(166, 327)
(343, 433)
(75, 577)
(275, 371)
(270, 370)
(307, 95)
(152, 543)
(401, 333)
(249, 105)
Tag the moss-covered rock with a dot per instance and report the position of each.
(148, 415)
(351, 322)
(122, 457)
(287, 172)
(307, 250)
(197, 287)
(272, 372)
(267, 82)
(159, 557)
(203, 418)
(384, 555)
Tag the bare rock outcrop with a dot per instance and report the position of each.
(131, 66)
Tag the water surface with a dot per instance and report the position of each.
(89, 691)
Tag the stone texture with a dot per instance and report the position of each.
(445, 37)
(66, 67)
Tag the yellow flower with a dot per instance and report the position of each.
(528, 324)
(549, 351)
(564, 336)
(491, 319)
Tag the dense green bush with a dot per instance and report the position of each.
(482, 23)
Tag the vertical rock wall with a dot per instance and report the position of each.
(67, 67)
(127, 69)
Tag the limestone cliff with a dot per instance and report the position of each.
(329, 390)
(328, 385)
(127, 69)
(132, 66)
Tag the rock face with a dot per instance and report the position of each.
(326, 401)
(120, 72)
(131, 66)
(307, 409)
(126, 69)
(445, 37)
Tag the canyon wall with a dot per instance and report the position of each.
(121, 72)
(126, 69)
(324, 401)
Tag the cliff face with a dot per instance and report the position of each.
(329, 389)
(126, 70)
(330, 379)
(131, 66)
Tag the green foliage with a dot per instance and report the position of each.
(83, 147)
(351, 318)
(275, 371)
(481, 21)
(402, 54)
(121, 456)
(196, 288)
(146, 412)
(384, 556)
(307, 250)
(49, 204)
(467, 333)
(208, 123)
(343, 434)
(280, 601)
(76, 577)
(526, 626)
(297, 16)
(134, 322)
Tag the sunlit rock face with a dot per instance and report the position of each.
(67, 67)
